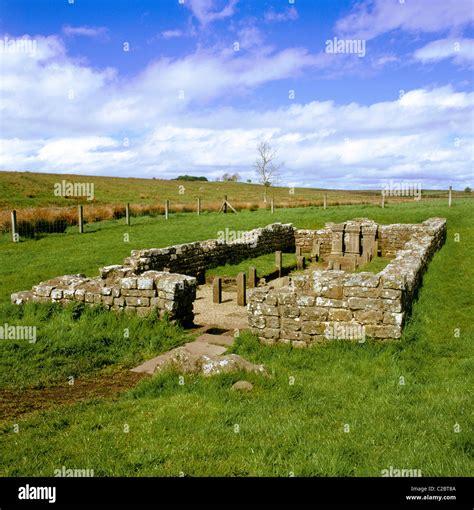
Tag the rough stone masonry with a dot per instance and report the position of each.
(317, 306)
(323, 305)
(163, 278)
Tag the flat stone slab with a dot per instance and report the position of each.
(224, 340)
(206, 349)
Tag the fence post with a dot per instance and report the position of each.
(450, 196)
(241, 291)
(252, 277)
(81, 219)
(225, 204)
(15, 236)
(325, 201)
(273, 204)
(383, 200)
(278, 262)
(198, 206)
(217, 290)
(167, 209)
(127, 214)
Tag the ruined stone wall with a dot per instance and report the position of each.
(333, 304)
(305, 239)
(195, 258)
(119, 289)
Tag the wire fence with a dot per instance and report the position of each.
(33, 222)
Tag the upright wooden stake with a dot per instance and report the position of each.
(81, 219)
(198, 206)
(383, 200)
(225, 204)
(450, 196)
(127, 214)
(273, 205)
(15, 236)
(217, 290)
(325, 201)
(252, 277)
(241, 291)
(167, 209)
(278, 262)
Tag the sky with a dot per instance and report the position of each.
(351, 94)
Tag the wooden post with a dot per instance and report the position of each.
(198, 206)
(241, 291)
(273, 204)
(167, 209)
(217, 290)
(81, 219)
(300, 262)
(127, 214)
(225, 204)
(450, 196)
(278, 262)
(298, 251)
(383, 200)
(252, 277)
(325, 201)
(15, 236)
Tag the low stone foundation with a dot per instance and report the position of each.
(119, 288)
(332, 304)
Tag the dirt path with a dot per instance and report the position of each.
(227, 315)
(16, 403)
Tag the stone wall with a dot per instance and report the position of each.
(119, 288)
(307, 239)
(195, 258)
(161, 278)
(333, 304)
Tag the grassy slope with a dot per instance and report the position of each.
(25, 189)
(283, 428)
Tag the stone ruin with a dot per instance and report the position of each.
(333, 304)
(316, 306)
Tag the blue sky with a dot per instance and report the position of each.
(183, 100)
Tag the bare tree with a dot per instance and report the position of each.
(267, 166)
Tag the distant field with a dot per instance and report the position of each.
(40, 210)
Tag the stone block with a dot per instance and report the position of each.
(364, 304)
(339, 314)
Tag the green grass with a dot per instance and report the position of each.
(78, 341)
(29, 189)
(376, 265)
(265, 265)
(283, 428)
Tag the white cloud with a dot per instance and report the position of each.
(460, 50)
(207, 11)
(322, 143)
(289, 14)
(371, 18)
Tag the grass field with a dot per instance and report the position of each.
(203, 428)
(39, 210)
